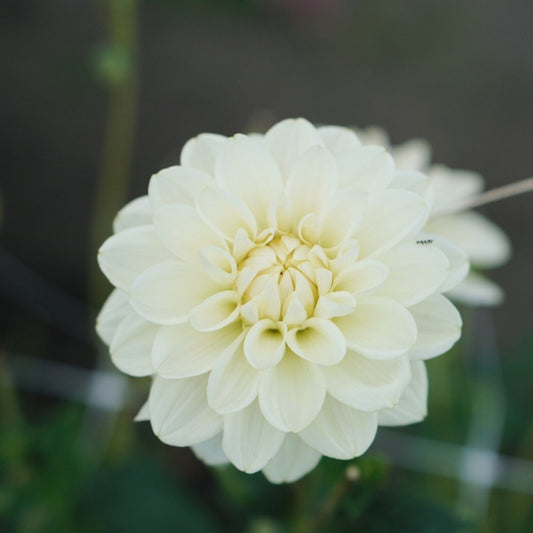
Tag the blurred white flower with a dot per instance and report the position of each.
(486, 244)
(281, 292)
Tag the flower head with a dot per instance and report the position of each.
(281, 291)
(485, 244)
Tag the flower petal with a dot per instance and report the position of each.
(289, 139)
(264, 344)
(179, 412)
(132, 344)
(124, 256)
(343, 216)
(340, 431)
(459, 265)
(217, 311)
(244, 168)
(249, 440)
(370, 169)
(339, 141)
(166, 293)
(412, 406)
(226, 213)
(200, 152)
(476, 289)
(311, 184)
(318, 340)
(233, 384)
(417, 270)
(136, 213)
(363, 277)
(292, 393)
(144, 413)
(486, 244)
(180, 351)
(183, 231)
(210, 451)
(439, 327)
(294, 459)
(415, 182)
(114, 310)
(414, 154)
(176, 185)
(367, 384)
(391, 216)
(379, 328)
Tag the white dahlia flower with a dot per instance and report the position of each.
(280, 291)
(486, 244)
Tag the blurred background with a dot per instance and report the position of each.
(98, 95)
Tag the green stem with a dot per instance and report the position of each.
(112, 187)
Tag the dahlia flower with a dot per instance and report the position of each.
(282, 293)
(485, 244)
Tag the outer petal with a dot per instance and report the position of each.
(292, 393)
(114, 310)
(210, 451)
(367, 384)
(312, 182)
(247, 170)
(180, 351)
(370, 169)
(233, 384)
(414, 154)
(340, 431)
(459, 265)
(183, 231)
(294, 459)
(289, 139)
(176, 185)
(179, 412)
(485, 243)
(379, 328)
(391, 216)
(415, 182)
(200, 152)
(339, 141)
(136, 213)
(412, 406)
(439, 327)
(166, 293)
(249, 440)
(132, 345)
(477, 290)
(124, 256)
(417, 270)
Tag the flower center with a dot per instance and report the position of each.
(284, 279)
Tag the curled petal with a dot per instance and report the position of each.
(114, 310)
(264, 345)
(210, 451)
(200, 152)
(370, 169)
(339, 141)
(318, 340)
(363, 277)
(216, 311)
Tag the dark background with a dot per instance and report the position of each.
(459, 74)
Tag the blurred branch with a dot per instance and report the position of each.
(118, 69)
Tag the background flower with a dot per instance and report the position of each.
(486, 244)
(282, 293)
